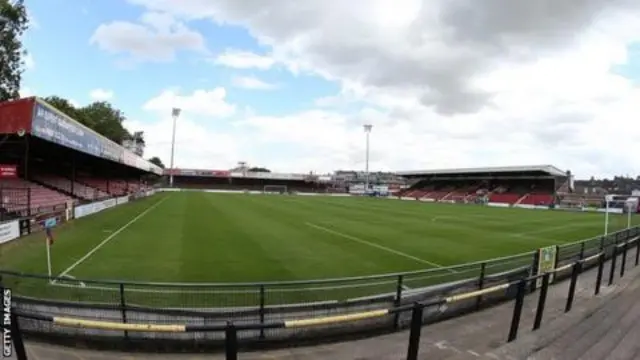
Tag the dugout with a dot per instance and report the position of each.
(42, 148)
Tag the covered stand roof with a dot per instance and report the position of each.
(548, 170)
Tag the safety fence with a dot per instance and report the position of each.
(290, 294)
(269, 303)
(230, 330)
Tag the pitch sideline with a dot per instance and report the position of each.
(107, 239)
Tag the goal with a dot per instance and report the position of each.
(274, 189)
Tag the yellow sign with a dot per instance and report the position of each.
(546, 262)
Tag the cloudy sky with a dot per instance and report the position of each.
(288, 84)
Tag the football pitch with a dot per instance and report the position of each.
(189, 237)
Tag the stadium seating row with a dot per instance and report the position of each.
(15, 196)
(500, 194)
(47, 192)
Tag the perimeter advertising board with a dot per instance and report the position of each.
(9, 231)
(546, 262)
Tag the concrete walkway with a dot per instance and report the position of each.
(604, 328)
(476, 336)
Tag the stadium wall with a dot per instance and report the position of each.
(96, 207)
(251, 192)
(503, 205)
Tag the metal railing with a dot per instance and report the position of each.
(375, 288)
(416, 309)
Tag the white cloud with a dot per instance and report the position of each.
(101, 94)
(157, 37)
(252, 83)
(196, 145)
(207, 103)
(244, 60)
(448, 83)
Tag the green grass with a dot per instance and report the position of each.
(205, 237)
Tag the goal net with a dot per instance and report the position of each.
(275, 189)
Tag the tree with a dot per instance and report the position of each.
(64, 106)
(99, 116)
(138, 137)
(13, 23)
(259, 170)
(156, 160)
(135, 143)
(106, 120)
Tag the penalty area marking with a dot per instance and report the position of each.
(107, 239)
(377, 246)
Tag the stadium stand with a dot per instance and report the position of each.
(526, 185)
(41, 198)
(49, 162)
(249, 181)
(68, 186)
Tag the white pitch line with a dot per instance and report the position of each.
(108, 238)
(353, 238)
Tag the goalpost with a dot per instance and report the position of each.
(274, 189)
(619, 204)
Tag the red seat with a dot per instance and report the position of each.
(505, 198)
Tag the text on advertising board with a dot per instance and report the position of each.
(49, 125)
(8, 171)
(9, 231)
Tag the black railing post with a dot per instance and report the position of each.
(582, 250)
(601, 259)
(534, 269)
(483, 269)
(637, 251)
(542, 299)
(414, 335)
(18, 343)
(623, 263)
(575, 271)
(28, 201)
(612, 271)
(261, 310)
(517, 311)
(602, 243)
(123, 309)
(557, 260)
(398, 300)
(231, 342)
